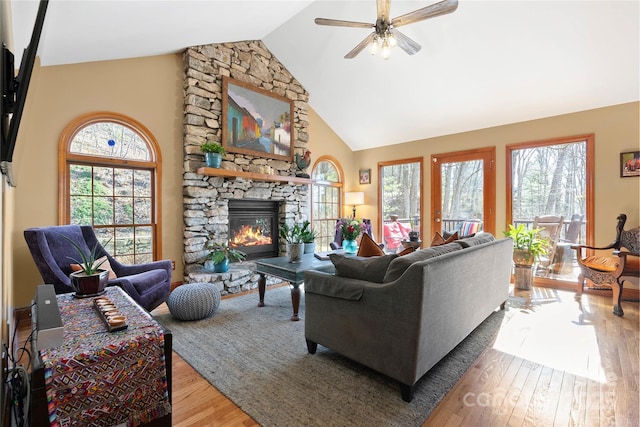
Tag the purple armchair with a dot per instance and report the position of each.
(148, 284)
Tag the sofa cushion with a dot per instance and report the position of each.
(476, 240)
(368, 247)
(371, 269)
(399, 265)
(438, 239)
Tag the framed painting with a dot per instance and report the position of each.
(255, 121)
(365, 176)
(630, 164)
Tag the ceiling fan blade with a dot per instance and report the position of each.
(364, 43)
(437, 9)
(339, 23)
(383, 7)
(405, 43)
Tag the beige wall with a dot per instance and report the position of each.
(146, 89)
(616, 130)
(150, 91)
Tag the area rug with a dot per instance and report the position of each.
(258, 358)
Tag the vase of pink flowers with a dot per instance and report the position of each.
(351, 229)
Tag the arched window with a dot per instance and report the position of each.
(326, 202)
(110, 178)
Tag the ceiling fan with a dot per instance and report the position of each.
(385, 36)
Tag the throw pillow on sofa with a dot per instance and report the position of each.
(478, 239)
(399, 265)
(439, 240)
(371, 269)
(368, 247)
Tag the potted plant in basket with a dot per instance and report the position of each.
(213, 153)
(89, 279)
(294, 238)
(528, 246)
(221, 254)
(308, 237)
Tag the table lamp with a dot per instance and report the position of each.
(354, 198)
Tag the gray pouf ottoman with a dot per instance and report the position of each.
(194, 301)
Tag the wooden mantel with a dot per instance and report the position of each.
(231, 174)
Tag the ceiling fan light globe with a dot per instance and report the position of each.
(386, 50)
(373, 47)
(392, 41)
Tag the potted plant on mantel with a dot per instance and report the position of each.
(213, 153)
(528, 246)
(221, 254)
(295, 244)
(89, 280)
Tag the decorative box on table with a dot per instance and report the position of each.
(103, 378)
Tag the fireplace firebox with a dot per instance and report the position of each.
(253, 227)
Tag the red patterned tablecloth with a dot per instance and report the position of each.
(102, 378)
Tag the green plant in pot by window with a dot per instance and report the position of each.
(528, 246)
(213, 153)
(308, 237)
(90, 280)
(221, 254)
(294, 237)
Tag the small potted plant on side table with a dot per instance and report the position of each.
(221, 254)
(528, 246)
(213, 153)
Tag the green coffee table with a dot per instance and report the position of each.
(293, 273)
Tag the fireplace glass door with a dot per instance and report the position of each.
(253, 227)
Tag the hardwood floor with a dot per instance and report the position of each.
(555, 362)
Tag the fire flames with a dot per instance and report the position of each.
(250, 236)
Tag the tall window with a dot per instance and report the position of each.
(110, 169)
(400, 196)
(553, 178)
(326, 200)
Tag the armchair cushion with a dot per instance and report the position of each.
(602, 263)
(371, 269)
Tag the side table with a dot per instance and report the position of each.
(89, 377)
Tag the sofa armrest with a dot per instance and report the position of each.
(321, 283)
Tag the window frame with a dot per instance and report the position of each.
(589, 140)
(381, 165)
(338, 184)
(66, 158)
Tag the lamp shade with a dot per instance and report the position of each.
(354, 198)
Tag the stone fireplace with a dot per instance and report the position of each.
(207, 199)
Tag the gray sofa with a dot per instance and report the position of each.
(411, 310)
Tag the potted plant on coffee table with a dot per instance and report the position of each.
(221, 254)
(213, 153)
(295, 244)
(308, 237)
(528, 246)
(89, 279)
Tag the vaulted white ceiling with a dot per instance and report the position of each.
(488, 63)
